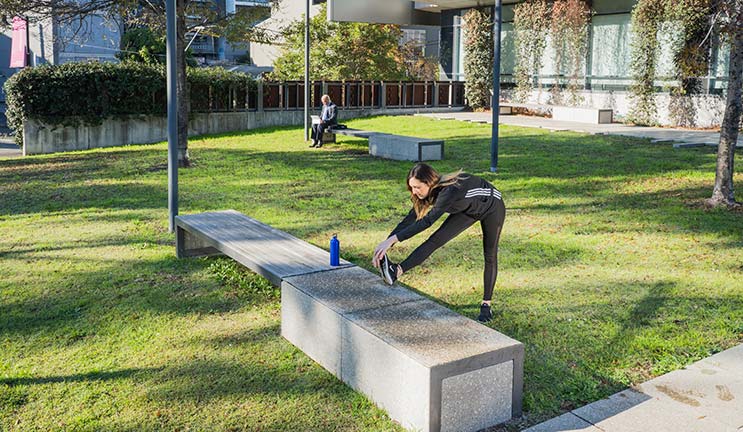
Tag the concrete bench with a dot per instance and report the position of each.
(430, 368)
(564, 113)
(357, 133)
(399, 147)
(267, 251)
(583, 115)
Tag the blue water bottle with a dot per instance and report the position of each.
(335, 251)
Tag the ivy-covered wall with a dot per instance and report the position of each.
(608, 59)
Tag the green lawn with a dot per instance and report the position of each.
(609, 274)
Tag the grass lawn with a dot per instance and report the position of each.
(609, 274)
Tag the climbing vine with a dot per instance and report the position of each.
(685, 24)
(531, 24)
(646, 18)
(691, 56)
(569, 34)
(478, 58)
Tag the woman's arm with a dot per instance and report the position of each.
(407, 221)
(381, 249)
(439, 208)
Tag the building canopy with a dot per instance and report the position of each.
(403, 12)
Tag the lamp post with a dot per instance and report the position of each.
(495, 106)
(172, 114)
(307, 70)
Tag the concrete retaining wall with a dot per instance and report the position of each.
(40, 138)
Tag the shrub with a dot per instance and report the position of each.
(74, 93)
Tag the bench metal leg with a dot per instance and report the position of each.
(188, 245)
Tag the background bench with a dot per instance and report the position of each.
(564, 113)
(397, 147)
(430, 368)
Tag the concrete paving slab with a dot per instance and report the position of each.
(712, 393)
(632, 411)
(706, 396)
(730, 359)
(655, 134)
(567, 422)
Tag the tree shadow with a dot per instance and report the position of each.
(570, 361)
(131, 373)
(85, 302)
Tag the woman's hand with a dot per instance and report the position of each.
(381, 249)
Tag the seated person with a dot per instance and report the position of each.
(328, 117)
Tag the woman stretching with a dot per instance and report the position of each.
(467, 199)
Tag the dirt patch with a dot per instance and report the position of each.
(678, 397)
(723, 393)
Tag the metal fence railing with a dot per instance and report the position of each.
(289, 95)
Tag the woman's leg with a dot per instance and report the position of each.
(452, 226)
(491, 229)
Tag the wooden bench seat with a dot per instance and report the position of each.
(413, 357)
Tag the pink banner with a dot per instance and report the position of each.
(18, 50)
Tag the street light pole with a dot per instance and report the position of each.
(172, 114)
(307, 70)
(495, 106)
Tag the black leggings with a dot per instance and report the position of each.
(455, 224)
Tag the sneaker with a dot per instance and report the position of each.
(388, 270)
(314, 144)
(485, 313)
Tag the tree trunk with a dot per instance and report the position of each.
(182, 92)
(723, 194)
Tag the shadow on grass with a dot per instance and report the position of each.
(86, 377)
(84, 302)
(642, 319)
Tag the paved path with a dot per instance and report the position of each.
(680, 137)
(706, 396)
(8, 149)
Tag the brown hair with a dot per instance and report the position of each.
(428, 175)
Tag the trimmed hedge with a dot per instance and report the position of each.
(75, 93)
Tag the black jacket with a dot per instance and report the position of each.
(472, 196)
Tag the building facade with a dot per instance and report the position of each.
(608, 56)
(607, 74)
